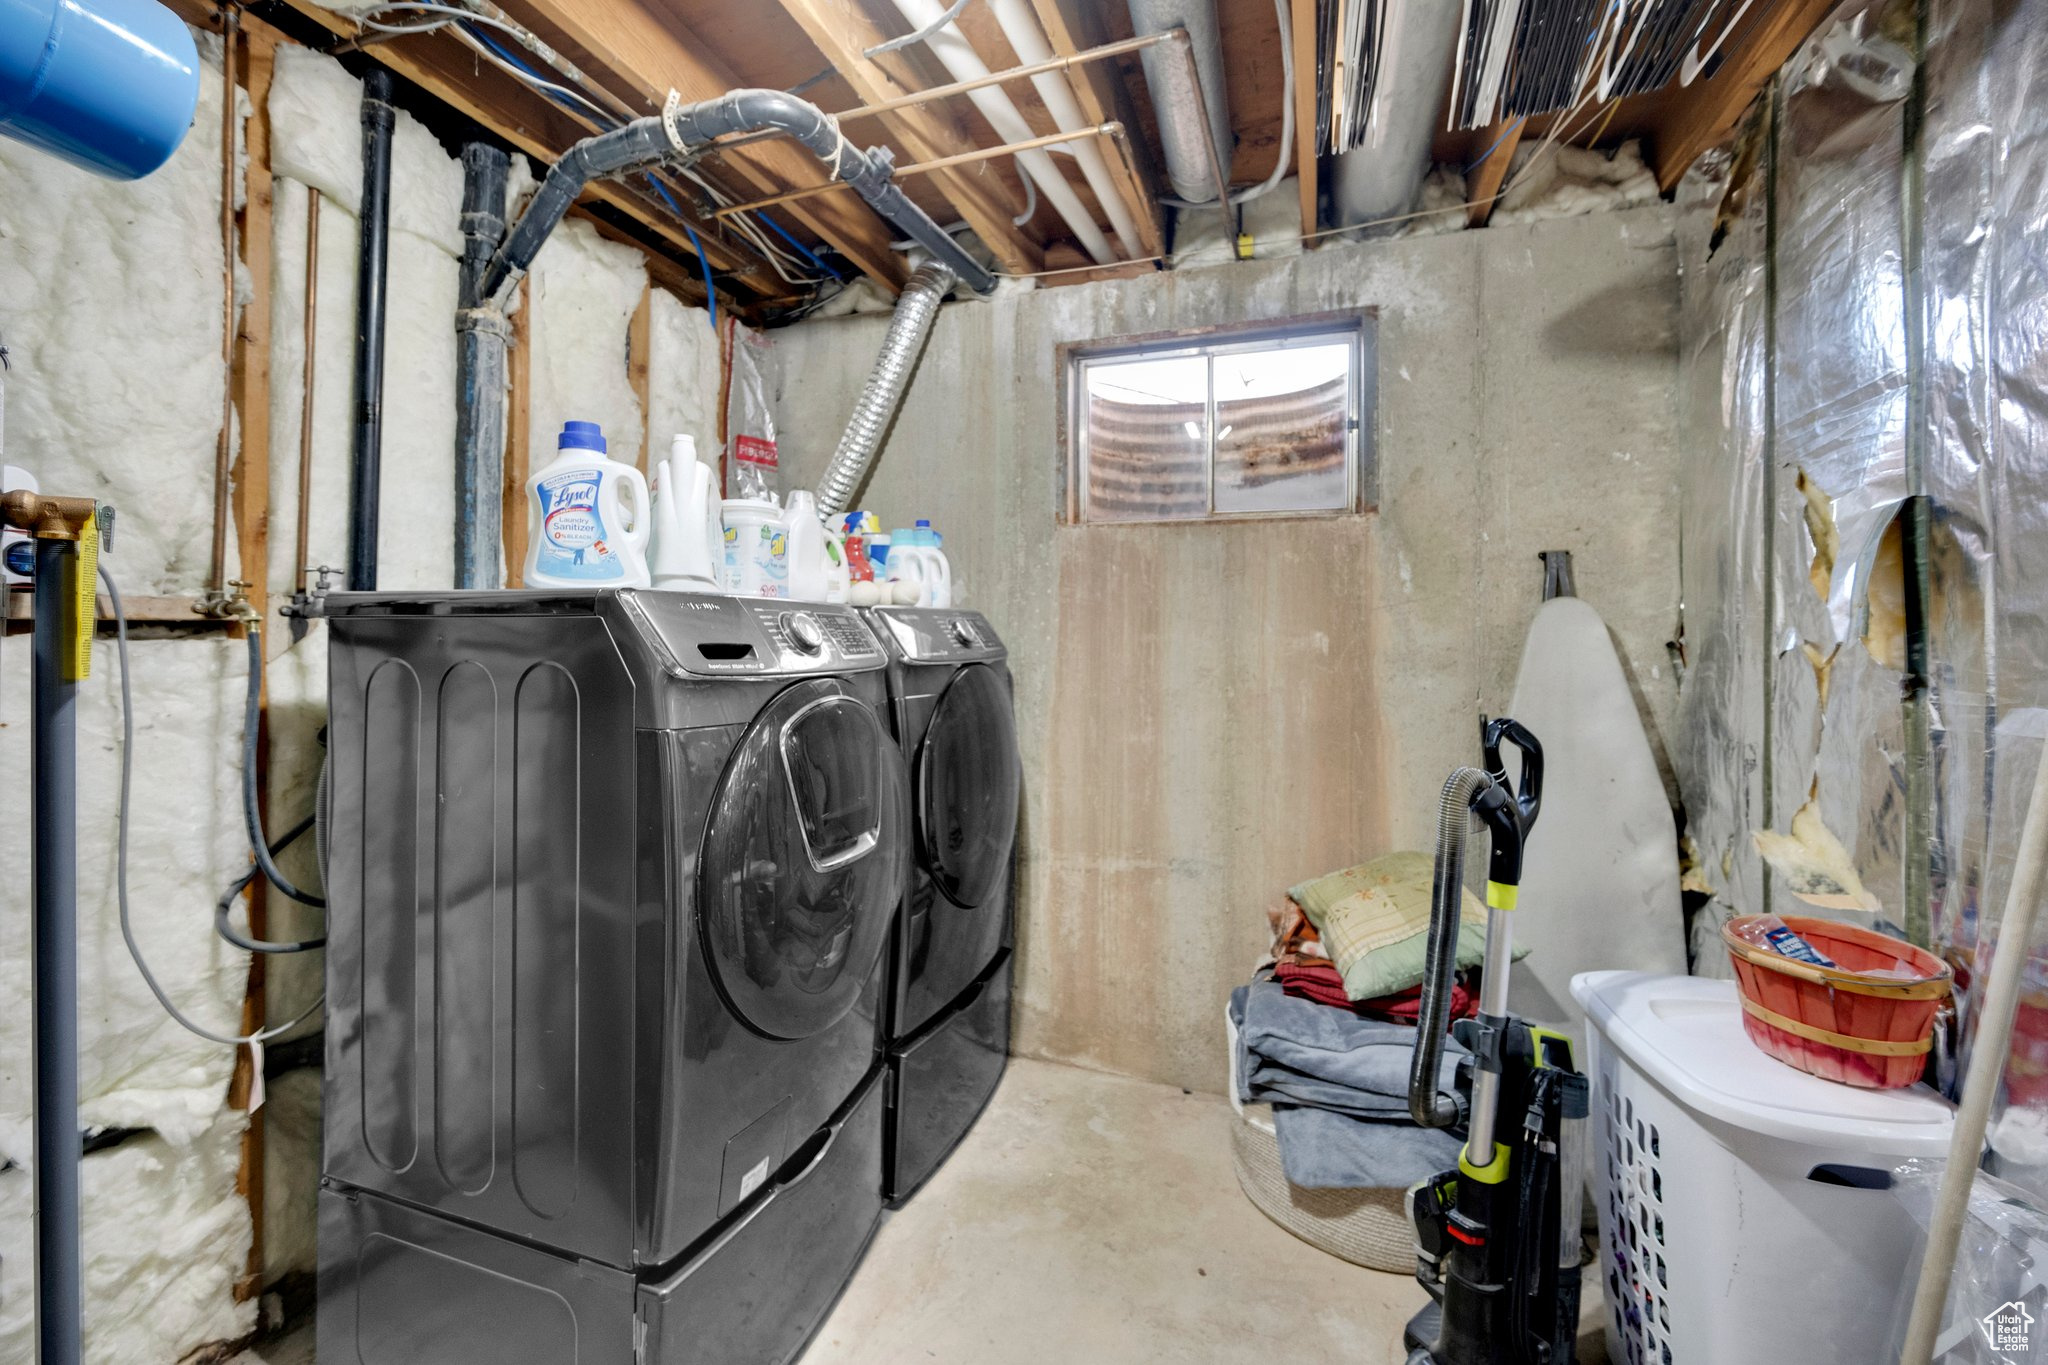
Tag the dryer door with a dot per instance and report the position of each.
(967, 787)
(805, 856)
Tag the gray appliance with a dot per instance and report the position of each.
(611, 876)
(948, 1011)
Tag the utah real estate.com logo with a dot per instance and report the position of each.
(2008, 1328)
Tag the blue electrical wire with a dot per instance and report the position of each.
(806, 251)
(1506, 133)
(710, 294)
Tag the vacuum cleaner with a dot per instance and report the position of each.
(1497, 1238)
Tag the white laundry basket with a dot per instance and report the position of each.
(1743, 1212)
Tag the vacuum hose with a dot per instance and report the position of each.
(1427, 1105)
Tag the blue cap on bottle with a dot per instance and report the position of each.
(581, 436)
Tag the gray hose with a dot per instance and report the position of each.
(916, 310)
(252, 817)
(1426, 1105)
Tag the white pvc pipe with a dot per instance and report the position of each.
(1021, 27)
(958, 56)
(1987, 1063)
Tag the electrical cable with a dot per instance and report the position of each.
(1030, 203)
(710, 291)
(953, 12)
(252, 1040)
(807, 253)
(252, 817)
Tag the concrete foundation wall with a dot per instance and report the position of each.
(1212, 713)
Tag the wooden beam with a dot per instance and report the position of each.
(1483, 181)
(639, 338)
(620, 41)
(1703, 114)
(1072, 28)
(1305, 163)
(842, 32)
(518, 428)
(455, 76)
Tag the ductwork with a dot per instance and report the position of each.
(1383, 178)
(1174, 98)
(916, 309)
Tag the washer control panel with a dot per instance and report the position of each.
(709, 635)
(933, 634)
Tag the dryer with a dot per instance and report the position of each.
(611, 877)
(947, 1016)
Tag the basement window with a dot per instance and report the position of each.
(1222, 424)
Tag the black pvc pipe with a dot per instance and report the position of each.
(60, 1267)
(479, 374)
(372, 252)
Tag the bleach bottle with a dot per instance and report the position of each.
(588, 518)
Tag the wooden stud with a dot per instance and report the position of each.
(638, 340)
(1305, 164)
(1072, 27)
(249, 386)
(652, 55)
(518, 419)
(842, 32)
(1704, 114)
(1483, 181)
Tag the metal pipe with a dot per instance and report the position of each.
(60, 1269)
(1022, 28)
(223, 450)
(373, 246)
(916, 309)
(481, 334)
(1201, 102)
(958, 56)
(301, 545)
(1112, 129)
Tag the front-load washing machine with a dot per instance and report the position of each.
(948, 1011)
(610, 880)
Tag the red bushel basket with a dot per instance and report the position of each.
(1842, 1023)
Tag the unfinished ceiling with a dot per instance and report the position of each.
(755, 219)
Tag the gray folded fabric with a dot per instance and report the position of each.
(1338, 1085)
(1320, 1150)
(1293, 1051)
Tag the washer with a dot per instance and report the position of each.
(611, 880)
(948, 1012)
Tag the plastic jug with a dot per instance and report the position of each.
(756, 548)
(808, 558)
(930, 541)
(909, 567)
(588, 517)
(688, 552)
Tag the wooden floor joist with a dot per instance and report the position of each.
(1071, 27)
(1305, 165)
(1693, 118)
(842, 32)
(1484, 180)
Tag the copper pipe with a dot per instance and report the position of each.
(217, 577)
(1112, 129)
(302, 551)
(940, 92)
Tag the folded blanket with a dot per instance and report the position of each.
(1322, 983)
(1298, 1052)
(1320, 1150)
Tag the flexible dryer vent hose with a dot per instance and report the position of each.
(916, 310)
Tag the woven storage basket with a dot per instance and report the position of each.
(1365, 1227)
(1841, 1023)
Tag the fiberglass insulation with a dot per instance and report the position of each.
(110, 303)
(580, 301)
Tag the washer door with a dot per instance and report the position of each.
(805, 857)
(968, 780)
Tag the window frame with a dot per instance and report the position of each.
(1357, 328)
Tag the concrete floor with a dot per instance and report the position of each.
(1092, 1218)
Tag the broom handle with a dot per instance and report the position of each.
(1987, 1063)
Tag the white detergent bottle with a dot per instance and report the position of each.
(941, 567)
(588, 518)
(688, 553)
(909, 570)
(810, 573)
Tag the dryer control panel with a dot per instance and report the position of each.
(722, 636)
(938, 634)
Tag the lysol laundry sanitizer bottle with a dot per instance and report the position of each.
(588, 517)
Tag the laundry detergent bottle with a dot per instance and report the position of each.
(588, 517)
